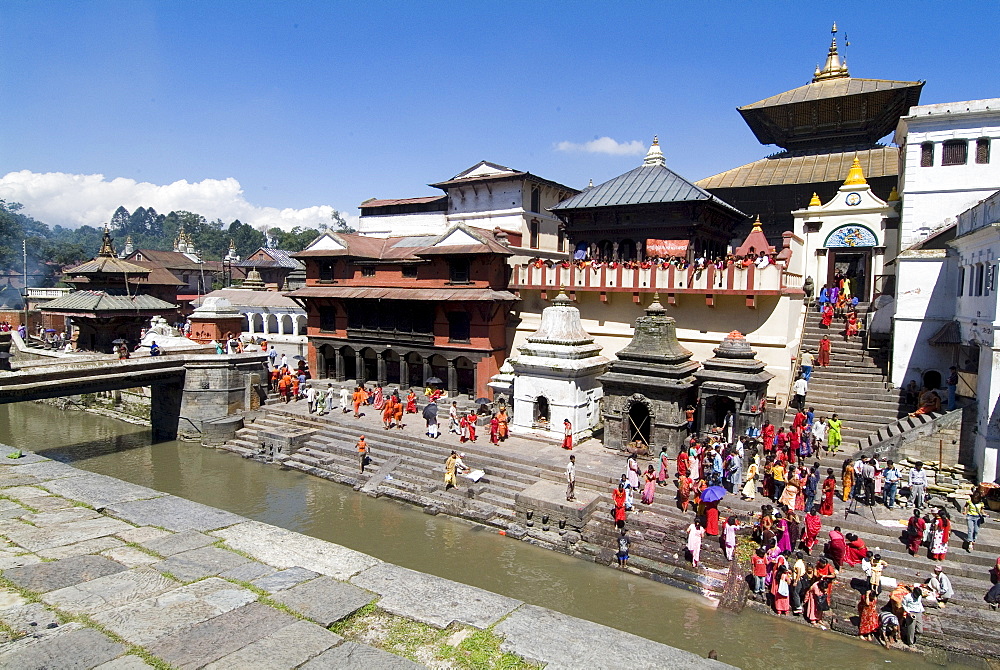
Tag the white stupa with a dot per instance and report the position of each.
(555, 373)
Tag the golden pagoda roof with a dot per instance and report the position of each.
(807, 169)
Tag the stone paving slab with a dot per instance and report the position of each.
(324, 600)
(24, 459)
(130, 557)
(130, 662)
(561, 641)
(24, 493)
(168, 545)
(434, 600)
(286, 647)
(210, 640)
(31, 618)
(7, 563)
(285, 579)
(9, 478)
(174, 514)
(94, 546)
(37, 539)
(284, 549)
(64, 515)
(43, 470)
(50, 503)
(200, 563)
(110, 591)
(248, 572)
(74, 648)
(146, 620)
(354, 656)
(99, 490)
(142, 534)
(44, 577)
(15, 511)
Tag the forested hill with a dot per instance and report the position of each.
(50, 249)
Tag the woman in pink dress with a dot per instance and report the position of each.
(649, 489)
(664, 472)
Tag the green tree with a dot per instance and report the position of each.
(340, 223)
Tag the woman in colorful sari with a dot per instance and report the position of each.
(827, 319)
(868, 615)
(915, 532)
(632, 473)
(939, 536)
(379, 403)
(829, 490)
(750, 487)
(836, 548)
(502, 421)
(814, 596)
(411, 402)
(781, 590)
(853, 326)
(494, 429)
(847, 478)
(683, 492)
(664, 474)
(649, 489)
(813, 524)
(833, 435)
(712, 518)
(856, 550)
(618, 497)
(823, 358)
(472, 426)
(682, 463)
(784, 538)
(463, 428)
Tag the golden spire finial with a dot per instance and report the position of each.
(856, 175)
(835, 67)
(815, 201)
(756, 225)
(893, 195)
(656, 139)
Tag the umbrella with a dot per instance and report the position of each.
(431, 411)
(713, 494)
(298, 358)
(482, 401)
(50, 330)
(118, 341)
(434, 380)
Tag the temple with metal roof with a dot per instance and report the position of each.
(821, 128)
(614, 221)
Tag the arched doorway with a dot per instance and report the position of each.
(466, 370)
(932, 379)
(391, 367)
(271, 324)
(350, 363)
(850, 257)
(716, 408)
(415, 369)
(439, 369)
(638, 423)
(286, 324)
(542, 413)
(369, 361)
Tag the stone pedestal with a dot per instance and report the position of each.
(556, 371)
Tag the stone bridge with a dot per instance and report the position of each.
(187, 388)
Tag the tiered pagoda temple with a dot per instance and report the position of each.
(821, 127)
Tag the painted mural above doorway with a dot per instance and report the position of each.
(851, 236)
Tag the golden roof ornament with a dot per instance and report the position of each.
(756, 226)
(856, 176)
(815, 201)
(835, 67)
(107, 248)
(893, 195)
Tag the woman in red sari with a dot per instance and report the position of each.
(829, 490)
(495, 430)
(411, 402)
(683, 492)
(712, 518)
(836, 548)
(826, 572)
(618, 497)
(856, 550)
(827, 316)
(472, 426)
(823, 358)
(868, 615)
(852, 327)
(767, 436)
(813, 523)
(682, 463)
(915, 532)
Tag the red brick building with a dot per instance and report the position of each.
(400, 310)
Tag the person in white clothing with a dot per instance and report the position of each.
(800, 388)
(918, 484)
(311, 399)
(345, 399)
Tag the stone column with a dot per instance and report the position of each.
(359, 366)
(249, 316)
(382, 370)
(404, 372)
(338, 363)
(427, 372)
(320, 363)
(165, 410)
(452, 379)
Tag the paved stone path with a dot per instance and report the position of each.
(99, 573)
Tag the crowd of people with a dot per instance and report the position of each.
(756, 259)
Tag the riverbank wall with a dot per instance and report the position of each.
(97, 572)
(522, 494)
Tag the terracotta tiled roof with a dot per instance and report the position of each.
(402, 201)
(386, 293)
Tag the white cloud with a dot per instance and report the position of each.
(73, 200)
(605, 145)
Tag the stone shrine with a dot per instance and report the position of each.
(556, 372)
(215, 320)
(648, 387)
(732, 381)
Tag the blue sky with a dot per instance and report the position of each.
(303, 105)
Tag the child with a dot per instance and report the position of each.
(759, 570)
(623, 543)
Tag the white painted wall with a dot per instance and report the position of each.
(925, 301)
(418, 223)
(934, 195)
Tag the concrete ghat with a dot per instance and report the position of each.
(167, 576)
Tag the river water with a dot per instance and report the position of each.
(437, 545)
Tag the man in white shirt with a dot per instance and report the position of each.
(571, 478)
(799, 389)
(891, 475)
(807, 365)
(913, 618)
(762, 261)
(918, 484)
(941, 590)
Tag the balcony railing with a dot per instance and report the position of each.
(47, 293)
(733, 279)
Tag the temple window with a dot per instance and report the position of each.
(927, 154)
(533, 233)
(459, 270)
(955, 152)
(327, 318)
(410, 271)
(961, 281)
(535, 200)
(325, 271)
(983, 150)
(458, 327)
(368, 271)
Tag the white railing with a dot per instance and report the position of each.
(662, 278)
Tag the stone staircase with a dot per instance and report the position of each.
(853, 385)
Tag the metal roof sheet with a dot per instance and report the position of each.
(402, 201)
(101, 301)
(106, 265)
(249, 298)
(830, 88)
(391, 293)
(806, 169)
(644, 185)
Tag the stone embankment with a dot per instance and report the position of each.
(524, 475)
(100, 573)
